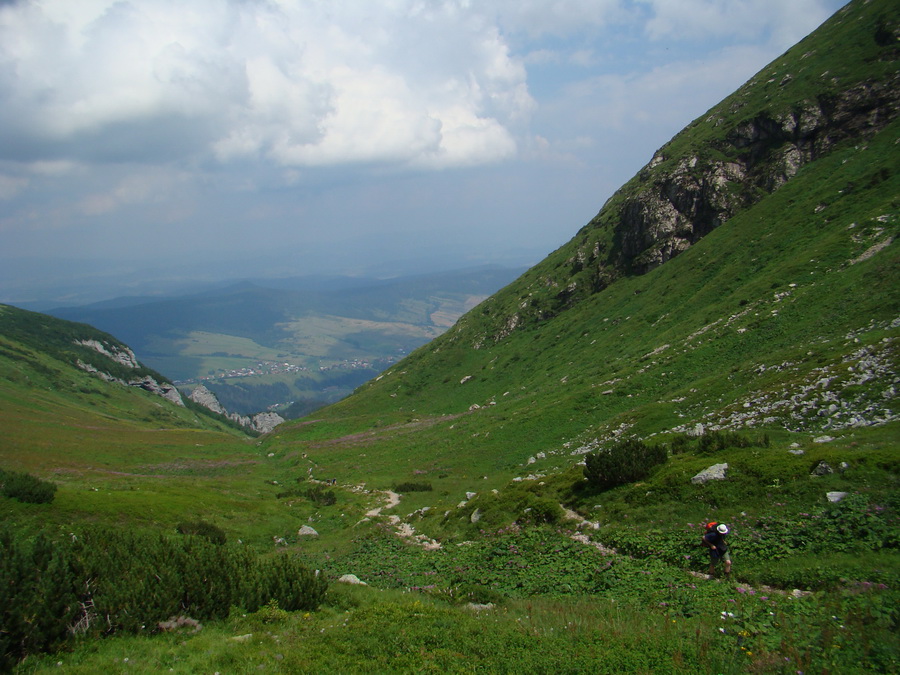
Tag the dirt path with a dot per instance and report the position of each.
(584, 538)
(402, 529)
(392, 500)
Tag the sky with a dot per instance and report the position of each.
(147, 141)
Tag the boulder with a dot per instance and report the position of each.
(306, 530)
(715, 472)
(835, 497)
(476, 516)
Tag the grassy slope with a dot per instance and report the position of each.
(122, 455)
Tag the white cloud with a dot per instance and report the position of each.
(298, 84)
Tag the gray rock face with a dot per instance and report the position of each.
(261, 422)
(715, 472)
(266, 421)
(120, 355)
(164, 389)
(207, 399)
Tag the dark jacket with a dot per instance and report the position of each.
(716, 540)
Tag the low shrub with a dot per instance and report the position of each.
(26, 488)
(200, 528)
(102, 581)
(318, 495)
(716, 441)
(412, 487)
(625, 462)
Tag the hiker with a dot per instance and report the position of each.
(714, 540)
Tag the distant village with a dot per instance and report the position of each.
(275, 368)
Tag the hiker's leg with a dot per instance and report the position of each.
(727, 559)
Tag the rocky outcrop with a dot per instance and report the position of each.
(124, 356)
(687, 197)
(207, 399)
(164, 389)
(119, 354)
(262, 423)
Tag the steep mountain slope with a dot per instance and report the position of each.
(777, 304)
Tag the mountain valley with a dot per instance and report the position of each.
(526, 489)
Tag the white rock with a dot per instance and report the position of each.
(835, 496)
(307, 530)
(352, 579)
(715, 472)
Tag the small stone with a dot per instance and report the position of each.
(835, 497)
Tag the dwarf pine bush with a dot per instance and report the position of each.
(625, 462)
(26, 488)
(201, 528)
(101, 581)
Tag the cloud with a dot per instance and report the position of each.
(295, 84)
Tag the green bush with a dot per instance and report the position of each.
(412, 487)
(542, 510)
(321, 496)
(715, 441)
(102, 581)
(625, 462)
(200, 528)
(26, 488)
